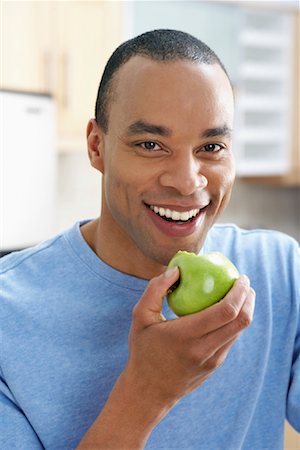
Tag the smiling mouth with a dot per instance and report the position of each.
(176, 216)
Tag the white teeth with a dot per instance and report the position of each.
(185, 216)
(175, 215)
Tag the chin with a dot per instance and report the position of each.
(162, 256)
(161, 250)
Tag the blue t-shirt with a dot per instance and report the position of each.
(65, 317)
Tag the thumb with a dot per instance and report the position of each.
(148, 310)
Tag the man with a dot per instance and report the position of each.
(91, 355)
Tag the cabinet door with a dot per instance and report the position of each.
(87, 34)
(264, 102)
(214, 23)
(28, 161)
(26, 57)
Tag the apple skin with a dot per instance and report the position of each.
(204, 280)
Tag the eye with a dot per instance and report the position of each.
(150, 145)
(212, 148)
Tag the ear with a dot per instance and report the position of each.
(95, 144)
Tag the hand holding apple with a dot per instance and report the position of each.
(204, 280)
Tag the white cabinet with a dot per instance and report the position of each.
(263, 137)
(28, 168)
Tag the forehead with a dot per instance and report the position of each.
(145, 87)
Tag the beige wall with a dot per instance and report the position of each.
(273, 207)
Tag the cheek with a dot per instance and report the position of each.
(121, 190)
(221, 178)
(220, 184)
(227, 182)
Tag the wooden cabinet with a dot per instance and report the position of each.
(60, 48)
(24, 43)
(88, 32)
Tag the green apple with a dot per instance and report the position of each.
(204, 280)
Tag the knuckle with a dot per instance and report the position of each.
(215, 362)
(211, 364)
(151, 284)
(136, 312)
(195, 357)
(244, 320)
(200, 355)
(229, 312)
(154, 286)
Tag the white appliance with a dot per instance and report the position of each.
(27, 169)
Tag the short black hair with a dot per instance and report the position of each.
(160, 45)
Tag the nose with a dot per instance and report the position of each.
(184, 174)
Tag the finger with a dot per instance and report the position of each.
(148, 310)
(225, 336)
(218, 358)
(221, 313)
(242, 321)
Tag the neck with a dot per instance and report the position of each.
(121, 254)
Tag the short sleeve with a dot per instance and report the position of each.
(16, 433)
(293, 399)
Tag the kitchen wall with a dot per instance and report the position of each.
(251, 206)
(78, 190)
(262, 206)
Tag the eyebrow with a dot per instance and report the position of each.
(144, 127)
(218, 131)
(140, 127)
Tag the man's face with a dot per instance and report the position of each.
(168, 167)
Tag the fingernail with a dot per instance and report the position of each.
(170, 272)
